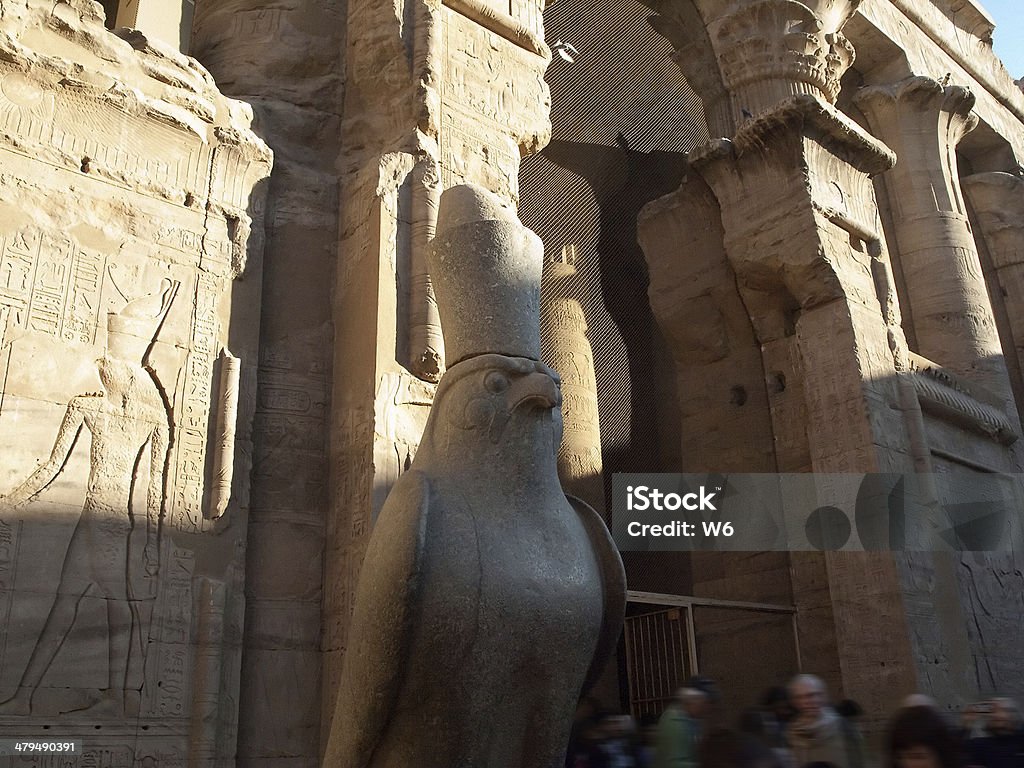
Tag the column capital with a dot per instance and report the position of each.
(764, 51)
(767, 48)
(922, 120)
(896, 108)
(807, 117)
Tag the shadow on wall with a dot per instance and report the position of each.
(613, 184)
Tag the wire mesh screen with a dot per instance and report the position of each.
(622, 82)
(623, 117)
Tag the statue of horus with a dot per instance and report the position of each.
(488, 599)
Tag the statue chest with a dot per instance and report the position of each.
(522, 583)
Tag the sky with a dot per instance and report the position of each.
(1008, 39)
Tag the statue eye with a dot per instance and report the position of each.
(496, 382)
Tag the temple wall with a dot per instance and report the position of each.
(250, 356)
(288, 63)
(132, 200)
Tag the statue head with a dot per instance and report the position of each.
(487, 394)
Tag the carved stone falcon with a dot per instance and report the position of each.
(488, 599)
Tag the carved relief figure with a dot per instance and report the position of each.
(128, 422)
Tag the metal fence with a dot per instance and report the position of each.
(744, 647)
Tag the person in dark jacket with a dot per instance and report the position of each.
(1002, 746)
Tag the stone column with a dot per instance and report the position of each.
(288, 62)
(565, 348)
(951, 315)
(801, 234)
(996, 202)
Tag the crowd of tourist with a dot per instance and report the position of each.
(796, 727)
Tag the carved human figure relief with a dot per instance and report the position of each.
(128, 427)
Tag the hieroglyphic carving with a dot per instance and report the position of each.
(400, 413)
(77, 126)
(192, 422)
(209, 649)
(466, 155)
(529, 13)
(25, 107)
(9, 538)
(494, 103)
(256, 22)
(175, 611)
(123, 167)
(498, 17)
(50, 285)
(92, 757)
(491, 93)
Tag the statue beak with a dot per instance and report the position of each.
(541, 389)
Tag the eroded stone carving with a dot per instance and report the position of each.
(426, 344)
(941, 394)
(486, 598)
(129, 205)
(756, 53)
(770, 49)
(502, 23)
(224, 449)
(564, 326)
(125, 422)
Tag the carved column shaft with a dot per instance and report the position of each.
(568, 351)
(290, 57)
(923, 121)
